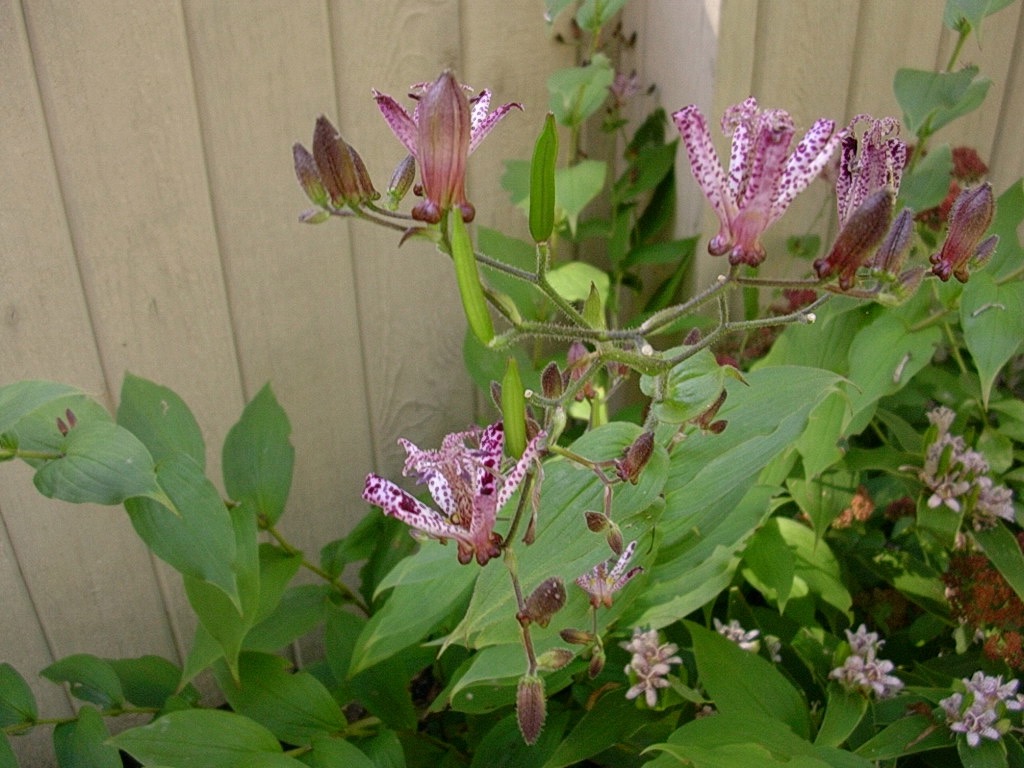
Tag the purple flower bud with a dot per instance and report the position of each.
(858, 238)
(890, 254)
(334, 161)
(545, 601)
(401, 181)
(62, 427)
(531, 708)
(551, 381)
(596, 665)
(308, 175)
(968, 220)
(596, 521)
(635, 458)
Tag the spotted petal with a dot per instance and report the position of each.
(400, 122)
(397, 503)
(707, 170)
(481, 122)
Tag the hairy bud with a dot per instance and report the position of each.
(336, 164)
(968, 220)
(401, 181)
(577, 636)
(545, 601)
(861, 233)
(635, 458)
(308, 175)
(531, 708)
(551, 381)
(596, 521)
(555, 659)
(596, 665)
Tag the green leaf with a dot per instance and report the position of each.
(607, 722)
(688, 389)
(160, 419)
(21, 398)
(332, 752)
(843, 713)
(294, 706)
(594, 14)
(988, 754)
(17, 703)
(258, 457)
(89, 679)
(931, 99)
(190, 528)
(1009, 215)
(928, 185)
(576, 186)
(1002, 549)
(431, 583)
(991, 316)
(228, 618)
(770, 564)
(970, 11)
(824, 498)
(819, 445)
(578, 92)
(646, 171)
(81, 743)
(744, 684)
(906, 736)
(147, 681)
(103, 463)
(542, 182)
(573, 281)
(297, 613)
(199, 738)
(674, 252)
(7, 758)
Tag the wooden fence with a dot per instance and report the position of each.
(148, 223)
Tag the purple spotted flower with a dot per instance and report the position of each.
(601, 582)
(467, 483)
(443, 130)
(868, 162)
(763, 177)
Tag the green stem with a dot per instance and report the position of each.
(16, 728)
(291, 549)
(17, 453)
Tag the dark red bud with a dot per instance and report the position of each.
(596, 521)
(635, 458)
(545, 601)
(72, 419)
(334, 160)
(614, 539)
(308, 175)
(596, 665)
(551, 381)
(693, 337)
(531, 707)
(858, 238)
(62, 427)
(401, 181)
(705, 419)
(576, 636)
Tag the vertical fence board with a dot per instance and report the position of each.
(261, 80)
(408, 307)
(1007, 158)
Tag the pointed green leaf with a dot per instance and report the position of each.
(1002, 549)
(258, 457)
(160, 419)
(294, 706)
(81, 743)
(147, 681)
(103, 463)
(574, 281)
(17, 703)
(199, 738)
(21, 398)
(576, 186)
(932, 99)
(843, 713)
(991, 316)
(594, 14)
(928, 184)
(1009, 216)
(7, 758)
(578, 92)
(190, 528)
(970, 11)
(333, 752)
(89, 679)
(743, 683)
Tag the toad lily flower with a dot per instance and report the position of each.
(443, 130)
(465, 479)
(762, 181)
(601, 582)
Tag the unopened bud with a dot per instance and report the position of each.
(890, 254)
(577, 636)
(401, 181)
(308, 175)
(545, 601)
(596, 521)
(555, 659)
(705, 420)
(717, 427)
(62, 427)
(635, 458)
(596, 665)
(531, 708)
(969, 218)
(614, 539)
(70, 416)
(336, 165)
(692, 337)
(366, 190)
(551, 381)
(858, 238)
(314, 216)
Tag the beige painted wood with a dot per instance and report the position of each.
(261, 80)
(1008, 143)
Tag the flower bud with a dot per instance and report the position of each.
(555, 659)
(531, 708)
(337, 168)
(968, 220)
(545, 601)
(308, 175)
(892, 251)
(706, 420)
(366, 190)
(614, 539)
(314, 216)
(596, 665)
(635, 458)
(577, 636)
(401, 181)
(443, 133)
(551, 381)
(62, 427)
(863, 231)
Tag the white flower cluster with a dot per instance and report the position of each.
(977, 711)
(745, 639)
(650, 665)
(862, 670)
(958, 477)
